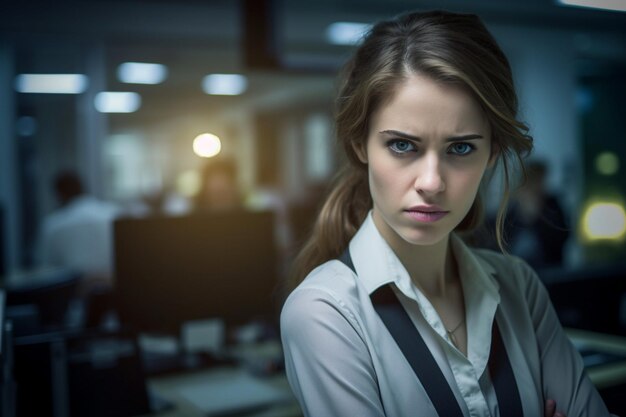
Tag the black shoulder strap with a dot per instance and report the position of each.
(502, 377)
(415, 351)
(412, 345)
(347, 259)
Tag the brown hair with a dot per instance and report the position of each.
(449, 48)
(68, 186)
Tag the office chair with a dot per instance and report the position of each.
(39, 304)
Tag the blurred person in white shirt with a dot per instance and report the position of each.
(79, 234)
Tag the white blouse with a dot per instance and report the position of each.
(342, 361)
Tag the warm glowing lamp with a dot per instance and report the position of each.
(604, 221)
(207, 145)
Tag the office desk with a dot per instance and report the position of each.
(604, 375)
(169, 388)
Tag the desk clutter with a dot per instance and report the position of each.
(99, 354)
(76, 373)
(99, 374)
(228, 392)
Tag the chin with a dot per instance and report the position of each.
(422, 237)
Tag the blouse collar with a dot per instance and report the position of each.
(480, 288)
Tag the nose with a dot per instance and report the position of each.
(429, 180)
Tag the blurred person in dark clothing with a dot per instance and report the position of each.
(219, 189)
(535, 227)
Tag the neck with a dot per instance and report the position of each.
(431, 267)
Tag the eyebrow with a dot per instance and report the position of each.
(418, 139)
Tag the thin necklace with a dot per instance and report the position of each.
(451, 333)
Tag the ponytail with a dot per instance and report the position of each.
(337, 222)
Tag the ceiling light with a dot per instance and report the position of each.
(141, 73)
(117, 102)
(224, 84)
(616, 5)
(346, 33)
(51, 83)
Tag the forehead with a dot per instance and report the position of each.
(422, 106)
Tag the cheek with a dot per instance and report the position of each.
(468, 184)
(471, 180)
(383, 179)
(377, 184)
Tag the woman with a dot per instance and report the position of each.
(397, 316)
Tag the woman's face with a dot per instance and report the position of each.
(427, 150)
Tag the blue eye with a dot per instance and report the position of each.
(461, 148)
(401, 146)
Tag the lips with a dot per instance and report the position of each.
(426, 214)
(427, 208)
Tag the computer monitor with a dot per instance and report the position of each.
(170, 270)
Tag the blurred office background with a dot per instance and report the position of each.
(154, 94)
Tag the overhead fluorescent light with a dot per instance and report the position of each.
(224, 84)
(141, 73)
(616, 5)
(51, 83)
(346, 33)
(117, 102)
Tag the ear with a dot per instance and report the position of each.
(360, 151)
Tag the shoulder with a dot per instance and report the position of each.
(328, 293)
(520, 287)
(96, 207)
(508, 269)
(55, 221)
(330, 283)
(496, 259)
